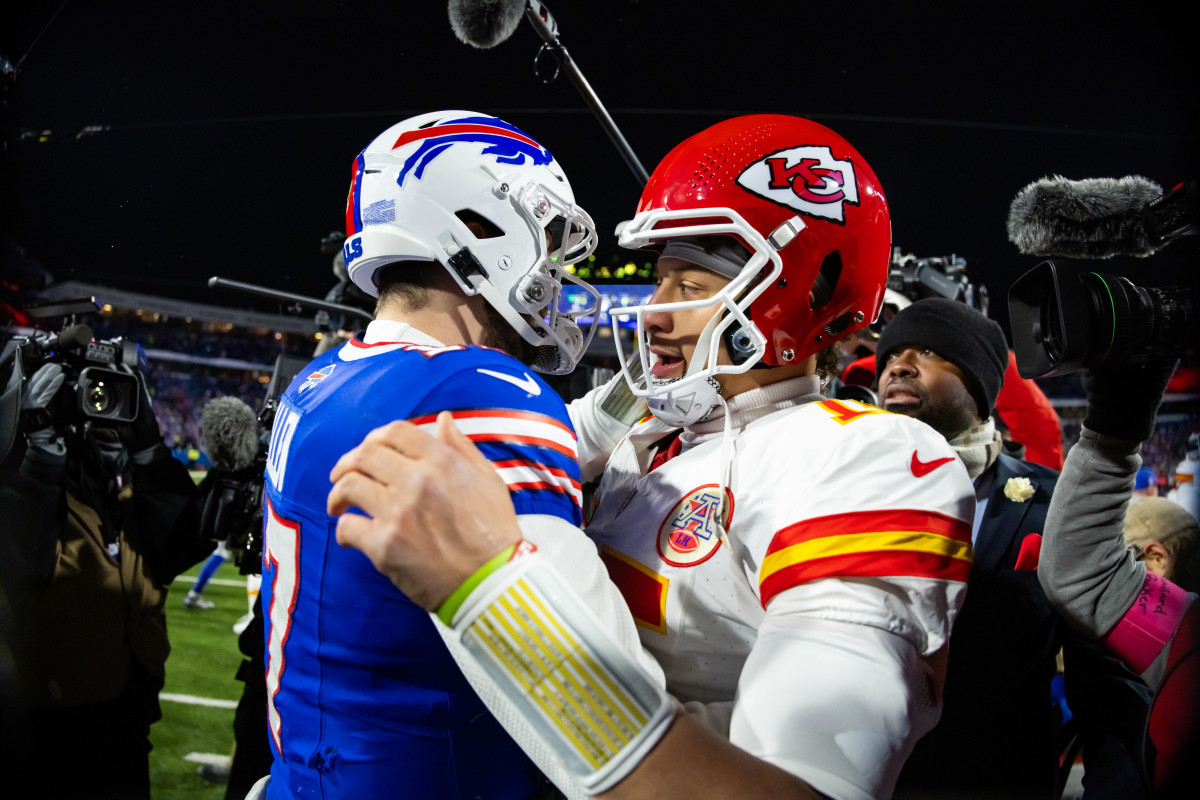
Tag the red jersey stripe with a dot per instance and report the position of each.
(537, 466)
(531, 441)
(496, 413)
(877, 564)
(898, 519)
(644, 590)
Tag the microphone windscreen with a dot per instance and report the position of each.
(74, 336)
(230, 429)
(1091, 218)
(485, 23)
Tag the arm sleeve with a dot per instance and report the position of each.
(860, 590)
(1084, 567)
(574, 557)
(896, 557)
(837, 704)
(1030, 417)
(1086, 570)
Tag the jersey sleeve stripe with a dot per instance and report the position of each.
(874, 541)
(528, 478)
(851, 522)
(865, 565)
(895, 542)
(463, 415)
(538, 467)
(535, 430)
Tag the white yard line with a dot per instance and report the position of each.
(216, 759)
(190, 579)
(211, 702)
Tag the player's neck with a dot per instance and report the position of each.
(449, 317)
(733, 384)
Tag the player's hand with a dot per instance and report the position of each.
(436, 509)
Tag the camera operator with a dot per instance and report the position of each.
(1129, 337)
(103, 518)
(1101, 586)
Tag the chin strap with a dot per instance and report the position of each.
(725, 475)
(696, 400)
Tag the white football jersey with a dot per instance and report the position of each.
(843, 522)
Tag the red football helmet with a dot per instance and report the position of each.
(813, 216)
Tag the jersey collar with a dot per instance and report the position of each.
(380, 331)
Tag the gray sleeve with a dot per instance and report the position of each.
(1085, 569)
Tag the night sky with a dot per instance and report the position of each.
(228, 129)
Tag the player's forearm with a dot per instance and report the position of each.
(691, 761)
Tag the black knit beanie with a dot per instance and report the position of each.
(957, 333)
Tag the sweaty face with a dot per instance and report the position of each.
(919, 383)
(673, 335)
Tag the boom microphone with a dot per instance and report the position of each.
(230, 428)
(1101, 217)
(1092, 218)
(485, 23)
(72, 337)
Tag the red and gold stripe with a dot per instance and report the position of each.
(644, 590)
(867, 544)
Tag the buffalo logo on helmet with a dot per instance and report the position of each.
(688, 535)
(807, 179)
(507, 143)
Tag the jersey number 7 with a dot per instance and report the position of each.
(281, 555)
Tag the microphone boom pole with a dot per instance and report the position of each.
(217, 282)
(543, 22)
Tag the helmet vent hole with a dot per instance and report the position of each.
(827, 279)
(479, 225)
(840, 324)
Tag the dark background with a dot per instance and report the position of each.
(228, 128)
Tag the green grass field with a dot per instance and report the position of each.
(204, 659)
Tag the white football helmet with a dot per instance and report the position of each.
(418, 185)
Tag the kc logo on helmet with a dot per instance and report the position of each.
(808, 179)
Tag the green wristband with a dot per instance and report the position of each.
(448, 609)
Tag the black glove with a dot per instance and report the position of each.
(45, 444)
(142, 437)
(1123, 399)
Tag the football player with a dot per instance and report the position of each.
(793, 563)
(460, 224)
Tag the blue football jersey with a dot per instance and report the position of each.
(364, 699)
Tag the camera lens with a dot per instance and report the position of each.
(99, 398)
(1050, 330)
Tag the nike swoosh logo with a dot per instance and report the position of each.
(922, 468)
(528, 383)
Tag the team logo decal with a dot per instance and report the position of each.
(316, 378)
(808, 179)
(508, 144)
(688, 535)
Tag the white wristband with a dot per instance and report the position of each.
(562, 672)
